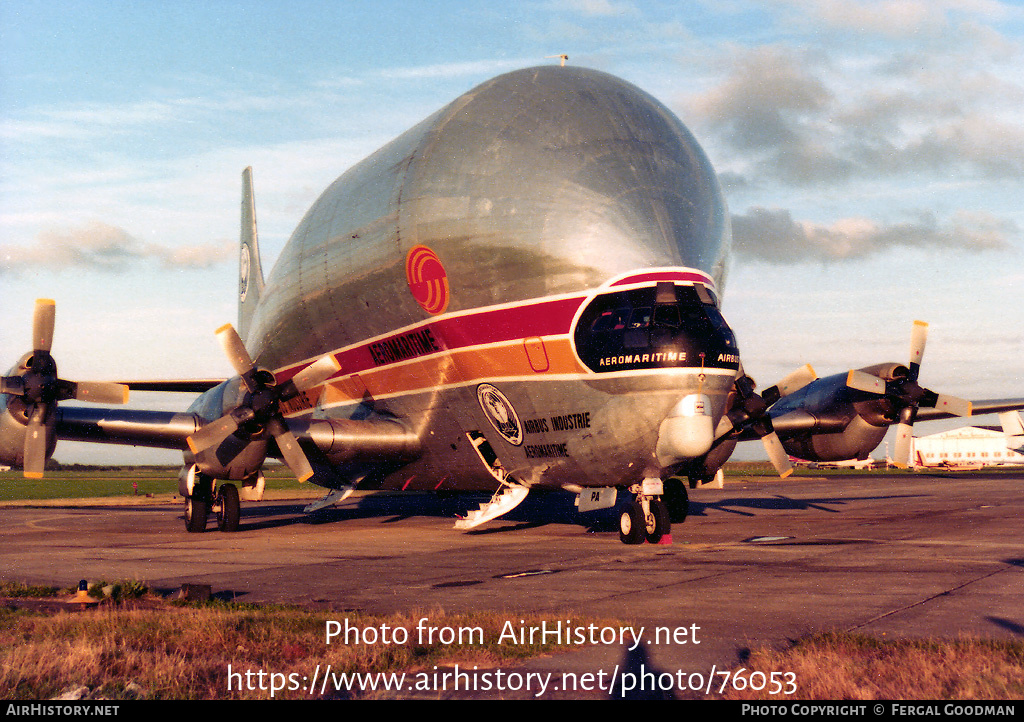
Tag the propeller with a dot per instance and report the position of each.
(907, 395)
(40, 389)
(750, 412)
(259, 414)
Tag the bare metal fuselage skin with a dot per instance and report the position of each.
(527, 266)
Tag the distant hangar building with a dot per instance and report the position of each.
(969, 446)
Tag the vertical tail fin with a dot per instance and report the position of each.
(250, 272)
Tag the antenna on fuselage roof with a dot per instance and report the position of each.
(563, 57)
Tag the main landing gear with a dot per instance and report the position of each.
(223, 503)
(645, 518)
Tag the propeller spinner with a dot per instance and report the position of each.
(906, 395)
(260, 415)
(39, 389)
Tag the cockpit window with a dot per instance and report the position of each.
(612, 320)
(666, 316)
(641, 318)
(654, 328)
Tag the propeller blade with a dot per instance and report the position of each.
(211, 435)
(316, 373)
(797, 380)
(793, 382)
(236, 352)
(901, 454)
(37, 443)
(954, 405)
(904, 435)
(293, 454)
(101, 392)
(862, 381)
(918, 338)
(42, 324)
(777, 454)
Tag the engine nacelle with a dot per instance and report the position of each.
(856, 441)
(238, 456)
(12, 432)
(826, 420)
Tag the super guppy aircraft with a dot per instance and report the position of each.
(520, 292)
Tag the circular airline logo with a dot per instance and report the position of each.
(500, 413)
(428, 280)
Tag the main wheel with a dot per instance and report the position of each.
(658, 523)
(228, 508)
(196, 512)
(632, 524)
(677, 499)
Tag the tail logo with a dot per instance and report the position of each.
(427, 279)
(243, 274)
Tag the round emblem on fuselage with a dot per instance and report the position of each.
(427, 279)
(500, 413)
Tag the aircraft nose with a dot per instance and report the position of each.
(687, 432)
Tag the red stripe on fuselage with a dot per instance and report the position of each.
(547, 317)
(530, 320)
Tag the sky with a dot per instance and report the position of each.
(872, 155)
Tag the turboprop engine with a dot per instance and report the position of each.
(30, 394)
(845, 416)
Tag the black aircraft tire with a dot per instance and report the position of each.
(632, 525)
(662, 525)
(227, 516)
(196, 512)
(677, 499)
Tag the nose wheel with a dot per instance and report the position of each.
(645, 518)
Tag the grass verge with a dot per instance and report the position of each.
(840, 666)
(114, 482)
(159, 650)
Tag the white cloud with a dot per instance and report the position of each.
(774, 236)
(101, 246)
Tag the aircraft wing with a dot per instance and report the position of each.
(988, 406)
(135, 427)
(800, 421)
(193, 386)
(337, 439)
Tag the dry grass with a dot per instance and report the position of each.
(151, 648)
(169, 652)
(857, 667)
